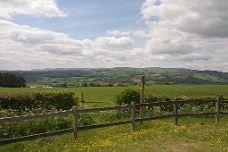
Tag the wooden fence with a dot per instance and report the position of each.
(75, 112)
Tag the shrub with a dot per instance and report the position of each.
(60, 100)
(18, 101)
(117, 115)
(85, 119)
(47, 100)
(127, 96)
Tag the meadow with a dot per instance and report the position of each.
(104, 96)
(192, 134)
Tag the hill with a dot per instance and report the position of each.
(121, 75)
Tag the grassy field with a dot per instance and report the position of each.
(191, 135)
(104, 96)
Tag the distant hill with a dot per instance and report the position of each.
(153, 75)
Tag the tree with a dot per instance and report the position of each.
(65, 84)
(11, 80)
(84, 84)
(92, 84)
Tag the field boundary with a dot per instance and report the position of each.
(132, 120)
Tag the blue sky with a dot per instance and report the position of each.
(122, 33)
(88, 19)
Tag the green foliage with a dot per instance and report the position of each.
(33, 100)
(166, 83)
(11, 80)
(92, 84)
(127, 96)
(60, 100)
(149, 98)
(28, 127)
(84, 84)
(85, 119)
(196, 107)
(111, 116)
(19, 101)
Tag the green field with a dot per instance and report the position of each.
(104, 96)
(191, 135)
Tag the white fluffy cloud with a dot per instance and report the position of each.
(36, 39)
(48, 8)
(181, 33)
(186, 32)
(29, 47)
(118, 33)
(204, 18)
(114, 42)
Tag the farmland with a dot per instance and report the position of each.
(191, 134)
(104, 96)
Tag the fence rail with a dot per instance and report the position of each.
(28, 117)
(75, 112)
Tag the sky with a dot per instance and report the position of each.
(39, 34)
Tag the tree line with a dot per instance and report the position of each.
(11, 80)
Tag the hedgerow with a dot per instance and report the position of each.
(20, 101)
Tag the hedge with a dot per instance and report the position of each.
(63, 100)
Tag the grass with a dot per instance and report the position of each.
(104, 96)
(192, 134)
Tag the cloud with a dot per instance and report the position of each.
(29, 47)
(48, 8)
(181, 33)
(185, 33)
(118, 33)
(28, 38)
(204, 18)
(114, 42)
(25, 47)
(169, 47)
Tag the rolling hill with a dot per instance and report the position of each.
(123, 75)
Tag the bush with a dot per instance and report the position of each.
(46, 100)
(60, 100)
(127, 96)
(112, 116)
(17, 101)
(85, 119)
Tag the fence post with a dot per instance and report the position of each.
(217, 106)
(132, 116)
(82, 100)
(75, 122)
(175, 112)
(142, 82)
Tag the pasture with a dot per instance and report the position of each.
(104, 96)
(191, 134)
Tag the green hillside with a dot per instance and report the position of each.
(122, 75)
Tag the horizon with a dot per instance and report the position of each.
(106, 34)
(59, 69)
